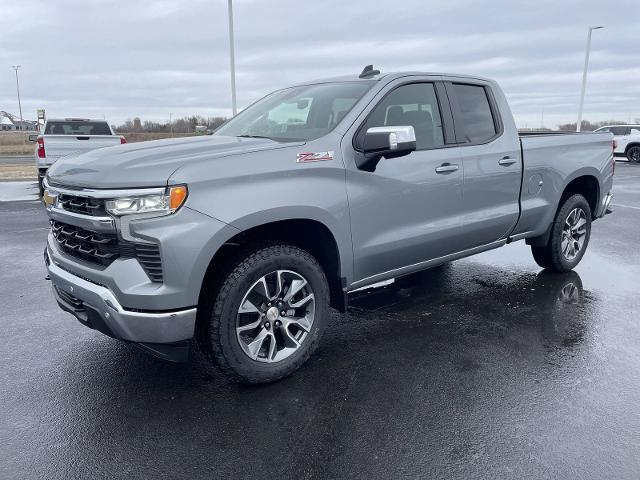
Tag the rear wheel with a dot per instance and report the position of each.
(268, 315)
(633, 154)
(569, 237)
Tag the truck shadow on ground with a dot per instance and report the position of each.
(439, 345)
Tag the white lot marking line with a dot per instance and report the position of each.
(625, 206)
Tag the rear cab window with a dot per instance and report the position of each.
(77, 127)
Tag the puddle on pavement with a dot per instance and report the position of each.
(18, 191)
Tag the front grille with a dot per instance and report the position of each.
(90, 246)
(83, 205)
(103, 249)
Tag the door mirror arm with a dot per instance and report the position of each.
(387, 142)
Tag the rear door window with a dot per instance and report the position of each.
(478, 122)
(77, 127)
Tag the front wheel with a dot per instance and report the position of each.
(569, 238)
(633, 154)
(268, 315)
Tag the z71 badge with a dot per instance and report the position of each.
(314, 157)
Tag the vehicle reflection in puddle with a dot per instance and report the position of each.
(472, 299)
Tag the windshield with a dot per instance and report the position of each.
(298, 113)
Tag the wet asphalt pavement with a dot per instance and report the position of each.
(485, 368)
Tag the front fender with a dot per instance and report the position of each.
(337, 226)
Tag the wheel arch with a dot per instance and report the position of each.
(629, 145)
(310, 234)
(585, 183)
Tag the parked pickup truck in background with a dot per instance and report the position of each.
(245, 239)
(627, 139)
(65, 136)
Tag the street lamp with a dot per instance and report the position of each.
(232, 60)
(584, 76)
(16, 67)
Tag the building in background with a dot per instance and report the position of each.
(10, 122)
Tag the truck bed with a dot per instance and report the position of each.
(60, 145)
(550, 160)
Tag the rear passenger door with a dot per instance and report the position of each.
(491, 159)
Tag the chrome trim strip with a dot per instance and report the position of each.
(520, 236)
(97, 224)
(103, 194)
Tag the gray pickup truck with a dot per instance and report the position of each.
(243, 240)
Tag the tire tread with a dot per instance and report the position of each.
(550, 256)
(210, 340)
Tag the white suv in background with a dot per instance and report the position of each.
(627, 138)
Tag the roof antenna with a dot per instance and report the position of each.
(368, 71)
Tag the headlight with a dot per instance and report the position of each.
(166, 202)
(50, 199)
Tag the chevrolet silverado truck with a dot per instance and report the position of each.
(243, 240)
(67, 136)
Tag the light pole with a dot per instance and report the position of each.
(584, 76)
(232, 60)
(16, 67)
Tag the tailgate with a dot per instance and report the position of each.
(57, 146)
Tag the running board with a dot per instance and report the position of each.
(416, 267)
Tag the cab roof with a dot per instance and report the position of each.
(387, 76)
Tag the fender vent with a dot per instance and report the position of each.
(149, 257)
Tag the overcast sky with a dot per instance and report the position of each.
(150, 58)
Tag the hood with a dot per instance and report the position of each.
(148, 164)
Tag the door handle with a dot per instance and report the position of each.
(506, 161)
(446, 168)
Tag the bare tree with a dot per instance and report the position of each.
(588, 126)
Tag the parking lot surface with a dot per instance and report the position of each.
(484, 368)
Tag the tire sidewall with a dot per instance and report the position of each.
(263, 262)
(629, 154)
(574, 201)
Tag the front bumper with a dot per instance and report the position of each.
(95, 306)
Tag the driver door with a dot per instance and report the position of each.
(408, 211)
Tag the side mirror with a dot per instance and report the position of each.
(33, 137)
(387, 142)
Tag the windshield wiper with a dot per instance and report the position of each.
(275, 139)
